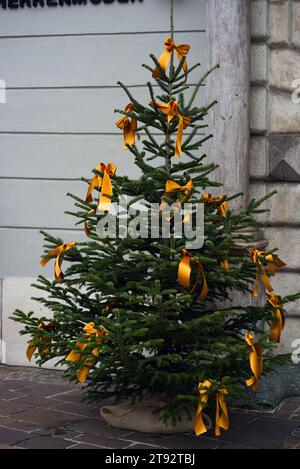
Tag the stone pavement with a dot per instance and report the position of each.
(38, 409)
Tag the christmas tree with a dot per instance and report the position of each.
(140, 310)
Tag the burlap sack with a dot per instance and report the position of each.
(143, 416)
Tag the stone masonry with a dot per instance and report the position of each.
(275, 137)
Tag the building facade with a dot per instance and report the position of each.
(60, 63)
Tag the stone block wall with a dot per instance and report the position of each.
(275, 136)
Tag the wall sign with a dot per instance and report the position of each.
(16, 4)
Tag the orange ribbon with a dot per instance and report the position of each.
(128, 126)
(272, 260)
(91, 332)
(171, 110)
(184, 274)
(172, 186)
(225, 265)
(278, 323)
(222, 419)
(210, 200)
(104, 183)
(44, 343)
(256, 361)
(57, 252)
(164, 60)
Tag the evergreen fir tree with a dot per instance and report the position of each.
(145, 316)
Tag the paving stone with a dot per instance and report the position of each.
(190, 442)
(12, 437)
(275, 428)
(103, 441)
(98, 427)
(12, 423)
(79, 409)
(5, 447)
(239, 421)
(12, 407)
(45, 389)
(47, 417)
(230, 445)
(141, 446)
(75, 395)
(253, 440)
(67, 424)
(85, 446)
(44, 442)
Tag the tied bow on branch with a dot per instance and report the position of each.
(171, 110)
(91, 332)
(256, 361)
(278, 323)
(57, 253)
(181, 50)
(222, 417)
(210, 200)
(184, 274)
(171, 187)
(43, 344)
(225, 265)
(272, 261)
(128, 126)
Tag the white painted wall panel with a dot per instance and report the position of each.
(86, 60)
(67, 110)
(151, 15)
(38, 203)
(21, 251)
(17, 293)
(61, 156)
(61, 66)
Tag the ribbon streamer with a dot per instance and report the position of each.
(256, 361)
(225, 265)
(210, 200)
(44, 343)
(184, 274)
(181, 50)
(104, 185)
(278, 323)
(128, 126)
(57, 252)
(222, 416)
(90, 332)
(171, 110)
(272, 260)
(172, 186)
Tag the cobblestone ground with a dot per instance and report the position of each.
(38, 409)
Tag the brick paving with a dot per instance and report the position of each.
(39, 410)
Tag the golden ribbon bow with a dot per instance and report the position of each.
(128, 126)
(90, 331)
(222, 419)
(256, 361)
(184, 274)
(278, 323)
(103, 183)
(164, 60)
(44, 343)
(225, 265)
(57, 252)
(172, 186)
(273, 261)
(171, 110)
(210, 200)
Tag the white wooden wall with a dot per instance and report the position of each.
(61, 66)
